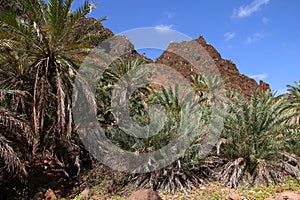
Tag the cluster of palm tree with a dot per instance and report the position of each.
(187, 115)
(259, 143)
(41, 47)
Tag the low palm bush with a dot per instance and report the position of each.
(256, 141)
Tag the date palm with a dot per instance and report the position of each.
(44, 36)
(293, 101)
(42, 45)
(257, 141)
(292, 104)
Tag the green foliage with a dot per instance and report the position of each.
(292, 105)
(294, 92)
(40, 52)
(146, 106)
(293, 102)
(256, 132)
(107, 84)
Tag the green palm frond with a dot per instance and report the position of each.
(255, 122)
(293, 102)
(257, 131)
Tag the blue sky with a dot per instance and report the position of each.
(260, 36)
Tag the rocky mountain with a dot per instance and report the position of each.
(172, 57)
(227, 69)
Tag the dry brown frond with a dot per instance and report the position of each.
(267, 174)
(16, 125)
(233, 172)
(11, 159)
(61, 113)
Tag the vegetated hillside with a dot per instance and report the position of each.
(228, 70)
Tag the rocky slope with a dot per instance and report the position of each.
(227, 69)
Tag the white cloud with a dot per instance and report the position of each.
(247, 10)
(163, 28)
(229, 36)
(265, 20)
(255, 37)
(259, 76)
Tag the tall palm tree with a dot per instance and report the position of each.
(257, 141)
(41, 48)
(45, 37)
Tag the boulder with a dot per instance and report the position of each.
(144, 195)
(288, 195)
(236, 197)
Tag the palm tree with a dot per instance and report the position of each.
(183, 172)
(41, 48)
(207, 87)
(120, 68)
(44, 36)
(256, 140)
(171, 178)
(293, 101)
(292, 104)
(16, 135)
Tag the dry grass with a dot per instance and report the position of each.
(211, 191)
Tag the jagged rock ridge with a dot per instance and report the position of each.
(228, 70)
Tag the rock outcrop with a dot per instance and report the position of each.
(172, 58)
(227, 69)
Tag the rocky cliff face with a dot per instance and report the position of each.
(227, 69)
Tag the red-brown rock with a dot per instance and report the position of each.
(236, 197)
(227, 69)
(145, 195)
(288, 195)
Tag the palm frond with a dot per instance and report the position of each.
(12, 161)
(15, 124)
